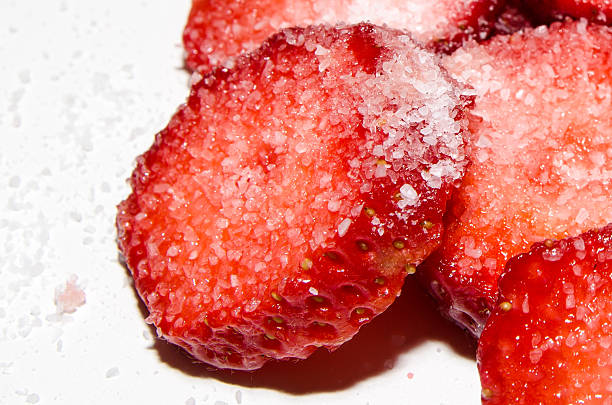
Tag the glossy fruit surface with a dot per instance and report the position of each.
(548, 340)
(541, 139)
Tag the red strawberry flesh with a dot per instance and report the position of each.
(511, 19)
(218, 30)
(541, 157)
(548, 341)
(594, 10)
(285, 202)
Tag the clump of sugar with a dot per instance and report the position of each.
(412, 90)
(409, 196)
(69, 296)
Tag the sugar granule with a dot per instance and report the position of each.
(112, 372)
(69, 297)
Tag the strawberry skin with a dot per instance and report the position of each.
(284, 204)
(541, 135)
(219, 30)
(548, 340)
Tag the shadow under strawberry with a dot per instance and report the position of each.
(411, 321)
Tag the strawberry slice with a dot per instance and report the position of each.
(541, 157)
(548, 340)
(284, 204)
(546, 10)
(218, 30)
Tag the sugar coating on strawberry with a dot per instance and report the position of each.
(548, 340)
(541, 152)
(219, 30)
(284, 204)
(511, 19)
(594, 10)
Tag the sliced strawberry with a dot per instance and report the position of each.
(548, 340)
(285, 202)
(218, 30)
(541, 157)
(594, 10)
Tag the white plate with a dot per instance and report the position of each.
(84, 86)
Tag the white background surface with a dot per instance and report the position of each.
(84, 86)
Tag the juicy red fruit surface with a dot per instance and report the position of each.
(595, 10)
(219, 30)
(541, 167)
(285, 202)
(549, 339)
(511, 19)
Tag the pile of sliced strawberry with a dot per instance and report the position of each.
(219, 30)
(541, 138)
(549, 339)
(285, 203)
(312, 168)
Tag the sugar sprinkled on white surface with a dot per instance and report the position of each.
(32, 398)
(112, 372)
(69, 297)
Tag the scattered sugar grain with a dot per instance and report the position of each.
(70, 297)
(343, 227)
(32, 398)
(112, 372)
(55, 317)
(14, 182)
